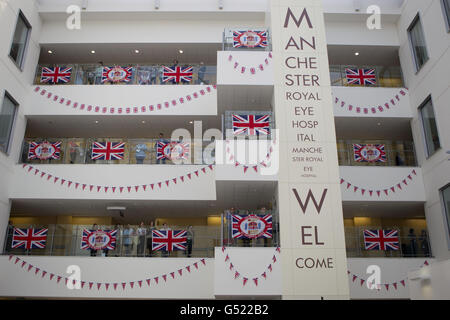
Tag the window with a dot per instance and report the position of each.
(429, 127)
(417, 40)
(446, 9)
(445, 193)
(20, 40)
(7, 116)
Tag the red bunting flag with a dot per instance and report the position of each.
(90, 285)
(148, 282)
(156, 279)
(99, 284)
(188, 268)
(173, 275)
(236, 275)
(131, 284)
(140, 283)
(165, 277)
(256, 281)
(264, 275)
(180, 271)
(124, 284)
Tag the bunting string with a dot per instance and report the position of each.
(246, 69)
(399, 186)
(113, 189)
(255, 167)
(246, 278)
(155, 280)
(387, 105)
(386, 286)
(125, 110)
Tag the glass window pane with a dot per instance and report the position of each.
(446, 4)
(418, 43)
(446, 199)
(19, 41)
(430, 128)
(7, 113)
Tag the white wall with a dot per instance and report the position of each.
(381, 178)
(125, 96)
(431, 282)
(30, 185)
(15, 82)
(431, 79)
(392, 270)
(250, 263)
(368, 98)
(17, 281)
(227, 74)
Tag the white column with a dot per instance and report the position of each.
(311, 222)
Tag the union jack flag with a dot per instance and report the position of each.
(169, 240)
(29, 238)
(251, 226)
(166, 150)
(369, 153)
(251, 125)
(44, 150)
(381, 239)
(249, 39)
(56, 75)
(108, 150)
(361, 76)
(177, 74)
(117, 74)
(98, 239)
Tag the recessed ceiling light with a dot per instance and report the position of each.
(191, 122)
(50, 51)
(92, 51)
(136, 51)
(143, 121)
(356, 53)
(379, 124)
(96, 121)
(180, 51)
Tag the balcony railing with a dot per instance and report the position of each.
(396, 153)
(144, 151)
(388, 77)
(92, 74)
(66, 240)
(136, 151)
(410, 245)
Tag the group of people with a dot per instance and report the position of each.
(127, 237)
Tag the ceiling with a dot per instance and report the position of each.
(237, 194)
(384, 209)
(373, 128)
(149, 53)
(368, 55)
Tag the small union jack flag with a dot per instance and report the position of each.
(29, 238)
(172, 150)
(369, 153)
(177, 74)
(381, 239)
(250, 39)
(108, 150)
(56, 75)
(251, 226)
(251, 125)
(361, 77)
(44, 150)
(169, 240)
(98, 239)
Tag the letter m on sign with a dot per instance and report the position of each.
(298, 22)
(310, 197)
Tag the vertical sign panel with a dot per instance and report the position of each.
(311, 222)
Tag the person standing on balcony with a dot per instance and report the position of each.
(127, 239)
(412, 243)
(164, 141)
(189, 240)
(150, 237)
(141, 232)
(140, 149)
(424, 243)
(9, 236)
(94, 251)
